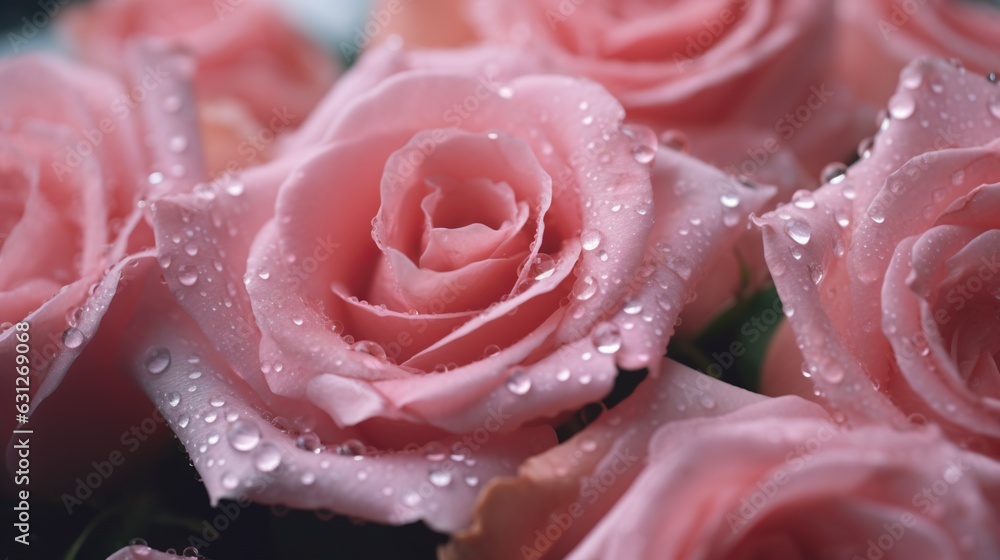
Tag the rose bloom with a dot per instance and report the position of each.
(255, 76)
(436, 268)
(69, 166)
(690, 467)
(890, 273)
(707, 69)
(877, 38)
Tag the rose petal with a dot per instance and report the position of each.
(240, 456)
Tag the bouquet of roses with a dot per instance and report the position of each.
(554, 278)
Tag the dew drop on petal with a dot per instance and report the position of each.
(643, 153)
(902, 105)
(243, 435)
(591, 240)
(585, 288)
(178, 144)
(351, 448)
(834, 173)
(542, 267)
(607, 338)
(174, 399)
(187, 275)
(994, 106)
(803, 199)
(798, 231)
(911, 77)
(157, 360)
(229, 481)
(439, 478)
(730, 200)
(675, 140)
(519, 382)
(833, 373)
(72, 337)
(267, 457)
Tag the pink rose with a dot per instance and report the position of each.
(429, 23)
(889, 274)
(689, 467)
(69, 166)
(876, 38)
(255, 76)
(707, 69)
(432, 272)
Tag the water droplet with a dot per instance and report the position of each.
(439, 478)
(351, 448)
(675, 140)
(217, 401)
(833, 373)
(994, 106)
(155, 178)
(267, 458)
(588, 120)
(633, 307)
(588, 445)
(138, 547)
(506, 92)
(911, 77)
(309, 441)
(680, 265)
(834, 173)
(803, 199)
(519, 382)
(730, 200)
(187, 275)
(876, 214)
(472, 480)
(157, 360)
(585, 379)
(848, 192)
(816, 272)
(183, 421)
(72, 337)
(435, 452)
(243, 435)
(842, 217)
(798, 231)
(643, 153)
(235, 187)
(542, 267)
(902, 105)
(585, 288)
(191, 249)
(371, 348)
(178, 144)
(707, 401)
(607, 338)
(308, 478)
(563, 374)
(229, 481)
(865, 147)
(591, 240)
(174, 399)
(264, 275)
